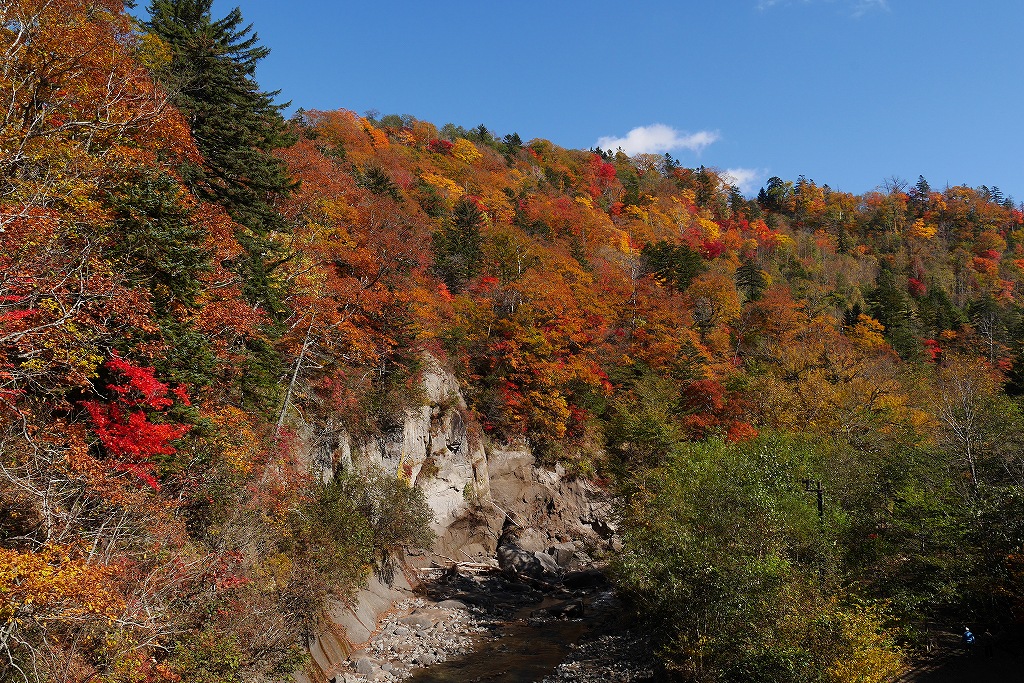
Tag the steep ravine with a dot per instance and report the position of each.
(491, 506)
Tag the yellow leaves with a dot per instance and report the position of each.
(714, 299)
(687, 199)
(620, 240)
(498, 206)
(465, 151)
(235, 437)
(152, 52)
(867, 333)
(823, 381)
(657, 217)
(584, 200)
(517, 180)
(869, 655)
(278, 569)
(921, 230)
(637, 213)
(55, 584)
(549, 412)
(451, 190)
(338, 210)
(710, 229)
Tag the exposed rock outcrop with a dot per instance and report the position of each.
(488, 502)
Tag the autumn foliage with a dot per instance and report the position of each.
(129, 437)
(162, 365)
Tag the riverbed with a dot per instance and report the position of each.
(493, 628)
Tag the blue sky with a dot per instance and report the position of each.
(847, 92)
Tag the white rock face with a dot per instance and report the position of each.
(437, 449)
(474, 494)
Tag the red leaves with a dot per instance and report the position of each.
(711, 408)
(712, 249)
(142, 389)
(9, 316)
(440, 147)
(602, 170)
(916, 288)
(132, 435)
(182, 395)
(128, 436)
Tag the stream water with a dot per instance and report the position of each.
(519, 650)
(527, 631)
(521, 653)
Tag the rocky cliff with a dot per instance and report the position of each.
(483, 496)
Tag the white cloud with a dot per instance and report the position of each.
(858, 8)
(747, 179)
(864, 6)
(657, 139)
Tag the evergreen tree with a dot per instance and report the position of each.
(842, 240)
(154, 236)
(891, 306)
(458, 245)
(704, 188)
(674, 265)
(775, 195)
(737, 203)
(751, 279)
(511, 144)
(376, 180)
(938, 313)
(237, 126)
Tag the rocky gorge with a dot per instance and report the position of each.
(518, 546)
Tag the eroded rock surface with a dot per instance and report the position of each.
(492, 506)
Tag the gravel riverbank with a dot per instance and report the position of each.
(492, 626)
(417, 633)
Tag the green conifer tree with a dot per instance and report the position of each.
(237, 126)
(891, 306)
(751, 279)
(675, 265)
(154, 236)
(458, 246)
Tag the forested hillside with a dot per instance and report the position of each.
(186, 279)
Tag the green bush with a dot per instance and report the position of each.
(359, 522)
(725, 555)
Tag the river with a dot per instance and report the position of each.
(592, 643)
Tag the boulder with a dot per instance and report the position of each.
(420, 620)
(426, 659)
(563, 553)
(571, 609)
(548, 565)
(365, 666)
(452, 604)
(515, 561)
